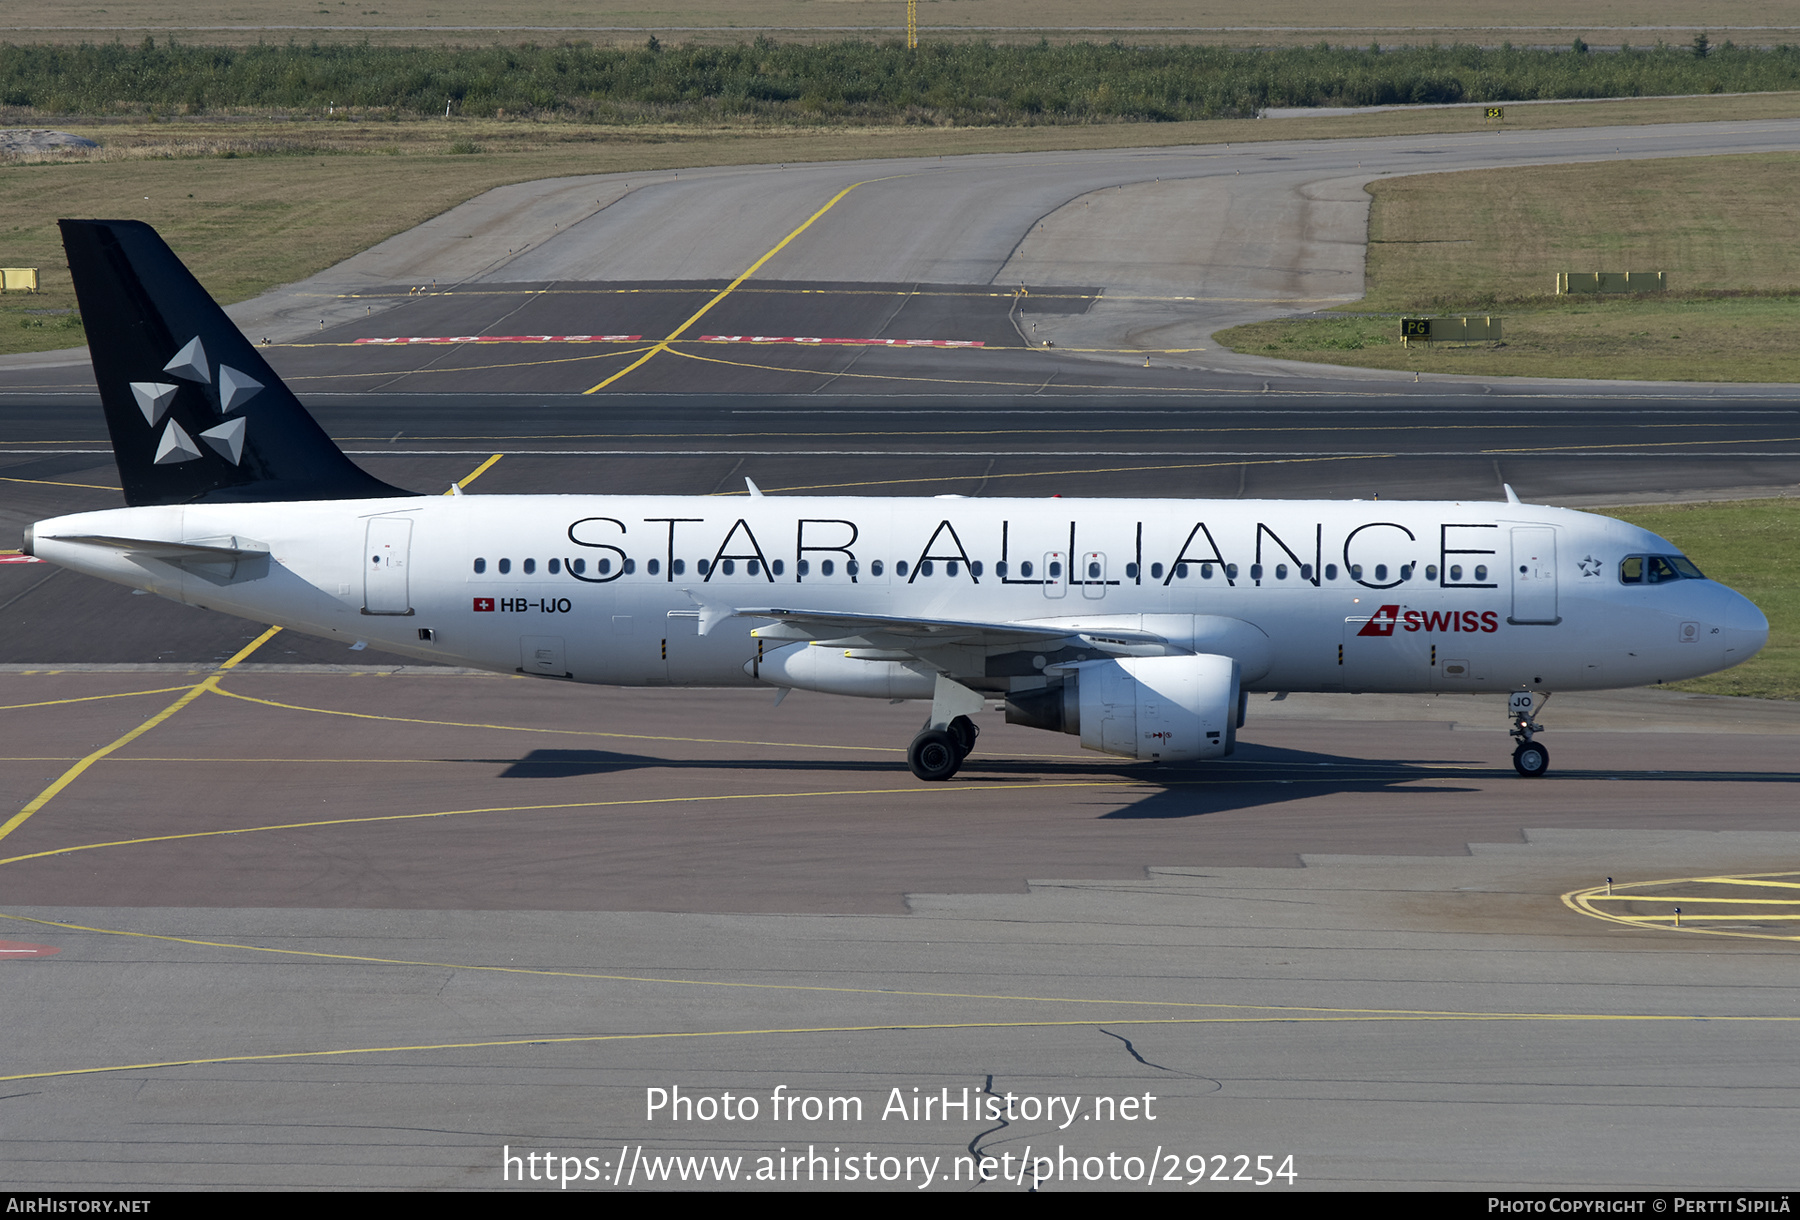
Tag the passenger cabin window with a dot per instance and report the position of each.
(505, 566)
(875, 568)
(579, 566)
(530, 566)
(480, 566)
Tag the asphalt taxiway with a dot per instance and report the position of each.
(281, 914)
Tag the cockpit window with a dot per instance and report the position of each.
(1657, 569)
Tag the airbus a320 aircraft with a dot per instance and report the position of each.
(1141, 625)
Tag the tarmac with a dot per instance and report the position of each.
(296, 917)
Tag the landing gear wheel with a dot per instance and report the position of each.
(1531, 759)
(934, 755)
(963, 731)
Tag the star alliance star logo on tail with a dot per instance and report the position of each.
(233, 390)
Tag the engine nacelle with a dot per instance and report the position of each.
(1169, 709)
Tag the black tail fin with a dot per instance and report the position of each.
(194, 411)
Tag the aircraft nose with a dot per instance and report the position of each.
(1746, 628)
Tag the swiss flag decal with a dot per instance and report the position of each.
(484, 603)
(1381, 622)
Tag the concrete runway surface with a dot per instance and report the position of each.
(321, 920)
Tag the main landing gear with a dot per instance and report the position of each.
(1530, 758)
(937, 754)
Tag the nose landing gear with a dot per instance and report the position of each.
(1530, 758)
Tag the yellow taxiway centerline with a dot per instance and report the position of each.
(732, 287)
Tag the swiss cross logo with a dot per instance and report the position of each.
(1381, 622)
(484, 603)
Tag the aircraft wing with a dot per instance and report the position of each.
(915, 634)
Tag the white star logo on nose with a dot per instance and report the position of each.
(1590, 566)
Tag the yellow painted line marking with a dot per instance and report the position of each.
(1189, 1005)
(1586, 901)
(128, 694)
(512, 728)
(73, 773)
(648, 800)
(479, 471)
(1758, 902)
(729, 288)
(1120, 782)
(1341, 1016)
(55, 483)
(1736, 916)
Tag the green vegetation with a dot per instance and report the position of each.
(1753, 546)
(1690, 338)
(964, 83)
(216, 186)
(1491, 242)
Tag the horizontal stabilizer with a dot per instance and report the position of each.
(210, 550)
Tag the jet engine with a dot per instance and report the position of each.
(1167, 709)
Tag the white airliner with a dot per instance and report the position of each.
(1141, 625)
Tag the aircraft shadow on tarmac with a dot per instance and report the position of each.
(1257, 776)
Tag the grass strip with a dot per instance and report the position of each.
(1492, 241)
